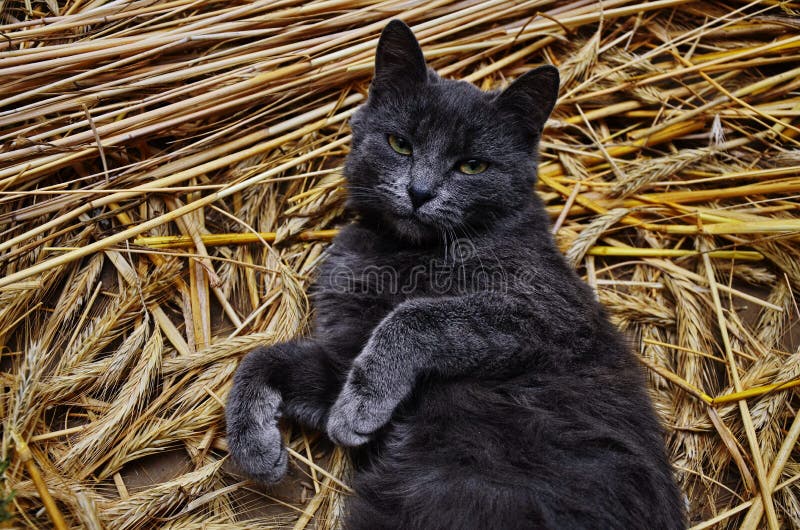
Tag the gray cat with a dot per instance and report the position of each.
(478, 381)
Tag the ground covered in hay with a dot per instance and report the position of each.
(170, 177)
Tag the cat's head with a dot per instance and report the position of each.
(432, 156)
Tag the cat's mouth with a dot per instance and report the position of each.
(413, 227)
(410, 220)
(411, 217)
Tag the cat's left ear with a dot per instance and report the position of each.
(531, 97)
(398, 61)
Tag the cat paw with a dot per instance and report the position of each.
(355, 417)
(260, 454)
(254, 439)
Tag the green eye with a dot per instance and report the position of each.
(401, 145)
(472, 166)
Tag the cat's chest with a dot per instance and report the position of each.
(403, 274)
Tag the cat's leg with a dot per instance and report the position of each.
(448, 337)
(296, 379)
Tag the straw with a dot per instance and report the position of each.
(171, 176)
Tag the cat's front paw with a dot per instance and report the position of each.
(358, 412)
(254, 440)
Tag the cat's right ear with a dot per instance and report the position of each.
(398, 61)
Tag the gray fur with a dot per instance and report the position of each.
(481, 383)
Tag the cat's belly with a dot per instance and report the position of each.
(505, 455)
(494, 431)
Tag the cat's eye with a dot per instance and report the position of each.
(472, 166)
(400, 144)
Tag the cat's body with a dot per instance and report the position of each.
(484, 385)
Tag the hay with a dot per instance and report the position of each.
(170, 175)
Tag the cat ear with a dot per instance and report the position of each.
(531, 97)
(398, 60)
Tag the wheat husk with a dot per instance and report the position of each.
(170, 176)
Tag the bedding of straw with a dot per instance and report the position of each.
(170, 177)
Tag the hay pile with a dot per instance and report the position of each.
(170, 175)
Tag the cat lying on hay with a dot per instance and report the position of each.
(472, 371)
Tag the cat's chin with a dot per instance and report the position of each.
(413, 230)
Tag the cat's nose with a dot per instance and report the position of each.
(419, 195)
